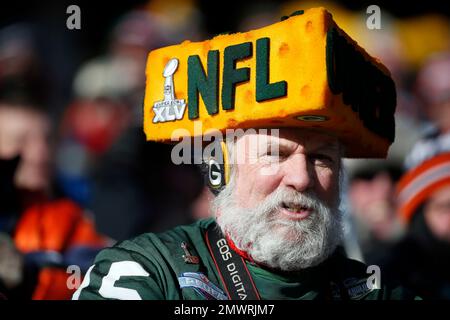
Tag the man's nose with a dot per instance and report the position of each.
(298, 173)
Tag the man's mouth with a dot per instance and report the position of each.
(295, 211)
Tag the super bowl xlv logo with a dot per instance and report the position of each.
(170, 109)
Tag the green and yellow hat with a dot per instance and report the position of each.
(303, 71)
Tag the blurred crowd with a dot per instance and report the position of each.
(76, 174)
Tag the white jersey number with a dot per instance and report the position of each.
(117, 270)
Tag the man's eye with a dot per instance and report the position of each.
(321, 159)
(272, 156)
(276, 153)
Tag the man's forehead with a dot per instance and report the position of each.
(293, 136)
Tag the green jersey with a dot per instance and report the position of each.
(177, 265)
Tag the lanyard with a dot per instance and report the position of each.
(236, 278)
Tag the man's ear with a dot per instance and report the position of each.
(215, 166)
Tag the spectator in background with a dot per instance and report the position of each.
(87, 130)
(433, 89)
(103, 161)
(422, 260)
(371, 199)
(97, 146)
(39, 236)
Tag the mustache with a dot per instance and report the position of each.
(283, 197)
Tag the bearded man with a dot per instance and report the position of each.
(276, 225)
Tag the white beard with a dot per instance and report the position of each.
(277, 242)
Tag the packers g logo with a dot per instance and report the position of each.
(170, 109)
(214, 174)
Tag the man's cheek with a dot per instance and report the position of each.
(266, 184)
(328, 178)
(329, 185)
(245, 193)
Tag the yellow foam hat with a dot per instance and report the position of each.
(301, 72)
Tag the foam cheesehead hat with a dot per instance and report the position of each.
(419, 183)
(303, 71)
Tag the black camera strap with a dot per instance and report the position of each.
(236, 278)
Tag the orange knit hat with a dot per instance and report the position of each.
(422, 181)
